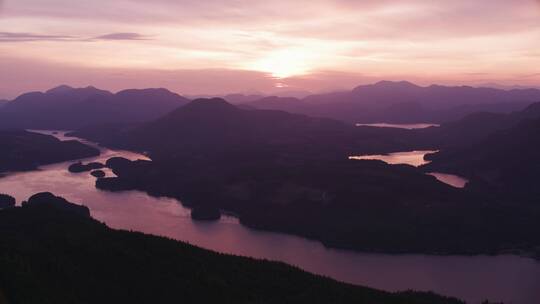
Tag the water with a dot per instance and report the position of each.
(450, 179)
(507, 278)
(415, 158)
(399, 126)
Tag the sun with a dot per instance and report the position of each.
(284, 63)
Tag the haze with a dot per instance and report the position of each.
(218, 46)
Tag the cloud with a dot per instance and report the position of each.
(32, 37)
(424, 38)
(24, 37)
(122, 36)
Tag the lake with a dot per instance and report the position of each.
(507, 278)
(399, 126)
(415, 158)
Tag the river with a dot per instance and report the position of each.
(507, 278)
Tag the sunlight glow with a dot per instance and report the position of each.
(285, 63)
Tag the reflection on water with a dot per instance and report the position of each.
(450, 179)
(510, 279)
(399, 126)
(414, 158)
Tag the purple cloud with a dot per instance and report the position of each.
(31, 37)
(122, 36)
(24, 37)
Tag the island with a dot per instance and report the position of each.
(98, 173)
(6, 201)
(23, 150)
(80, 167)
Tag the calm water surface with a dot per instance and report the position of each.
(500, 278)
(415, 158)
(399, 126)
(450, 179)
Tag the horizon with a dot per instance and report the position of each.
(295, 94)
(220, 47)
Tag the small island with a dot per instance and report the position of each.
(6, 201)
(80, 167)
(98, 173)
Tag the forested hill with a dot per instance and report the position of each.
(50, 254)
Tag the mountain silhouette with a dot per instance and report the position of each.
(213, 126)
(474, 127)
(403, 102)
(65, 107)
(501, 151)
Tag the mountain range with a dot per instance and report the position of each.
(497, 152)
(403, 102)
(65, 107)
(206, 127)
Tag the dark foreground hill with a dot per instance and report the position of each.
(403, 102)
(52, 255)
(70, 108)
(22, 150)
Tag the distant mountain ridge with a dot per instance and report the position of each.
(64, 107)
(403, 102)
(500, 151)
(214, 126)
(475, 127)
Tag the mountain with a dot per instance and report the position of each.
(3, 102)
(496, 152)
(52, 254)
(208, 127)
(503, 161)
(22, 150)
(65, 107)
(241, 98)
(473, 128)
(403, 102)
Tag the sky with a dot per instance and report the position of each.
(248, 46)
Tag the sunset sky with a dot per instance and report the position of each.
(223, 46)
